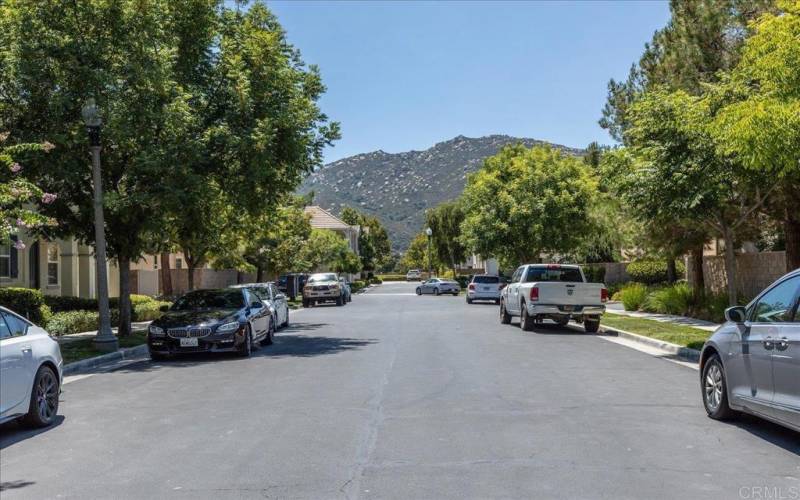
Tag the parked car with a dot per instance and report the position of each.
(348, 293)
(30, 372)
(269, 294)
(555, 292)
(484, 287)
(223, 320)
(438, 286)
(323, 287)
(751, 364)
(413, 275)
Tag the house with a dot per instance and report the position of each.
(60, 267)
(322, 219)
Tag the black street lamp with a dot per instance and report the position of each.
(105, 340)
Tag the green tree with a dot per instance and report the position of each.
(328, 250)
(374, 246)
(445, 221)
(526, 203)
(272, 242)
(760, 122)
(416, 255)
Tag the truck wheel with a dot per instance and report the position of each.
(591, 325)
(505, 318)
(339, 301)
(525, 321)
(305, 303)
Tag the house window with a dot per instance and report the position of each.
(178, 263)
(5, 260)
(52, 264)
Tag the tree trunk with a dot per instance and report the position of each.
(791, 229)
(190, 268)
(730, 265)
(166, 276)
(124, 297)
(672, 271)
(698, 278)
(260, 274)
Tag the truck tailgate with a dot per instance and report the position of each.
(566, 293)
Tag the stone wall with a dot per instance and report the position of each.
(755, 271)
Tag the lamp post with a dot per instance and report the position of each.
(105, 340)
(429, 232)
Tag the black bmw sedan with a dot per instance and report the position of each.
(224, 320)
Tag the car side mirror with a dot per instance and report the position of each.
(735, 314)
(164, 308)
(279, 296)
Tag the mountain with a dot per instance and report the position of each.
(399, 187)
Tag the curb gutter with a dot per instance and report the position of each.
(98, 361)
(680, 352)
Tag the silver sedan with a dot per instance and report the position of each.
(438, 286)
(752, 363)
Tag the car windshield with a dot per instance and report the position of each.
(486, 279)
(567, 274)
(262, 292)
(210, 299)
(317, 278)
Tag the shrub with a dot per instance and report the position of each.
(633, 296)
(25, 302)
(148, 310)
(61, 304)
(676, 299)
(651, 272)
(378, 281)
(390, 277)
(357, 286)
(594, 274)
(69, 322)
(463, 280)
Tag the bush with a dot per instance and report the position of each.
(69, 322)
(378, 281)
(390, 277)
(148, 310)
(357, 286)
(595, 274)
(651, 272)
(633, 296)
(61, 304)
(25, 302)
(676, 299)
(463, 280)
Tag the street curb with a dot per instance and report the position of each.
(98, 361)
(680, 352)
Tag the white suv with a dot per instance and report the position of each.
(413, 275)
(31, 362)
(484, 287)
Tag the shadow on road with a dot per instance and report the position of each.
(14, 432)
(13, 485)
(787, 439)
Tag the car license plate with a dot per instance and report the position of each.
(189, 343)
(567, 308)
(486, 288)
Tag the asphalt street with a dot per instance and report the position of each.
(399, 396)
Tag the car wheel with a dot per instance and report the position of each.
(305, 302)
(505, 318)
(286, 322)
(715, 390)
(455, 294)
(436, 291)
(591, 325)
(44, 399)
(339, 301)
(419, 291)
(469, 300)
(525, 321)
(246, 349)
(270, 334)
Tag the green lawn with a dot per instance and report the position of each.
(677, 334)
(77, 350)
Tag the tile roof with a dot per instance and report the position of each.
(322, 219)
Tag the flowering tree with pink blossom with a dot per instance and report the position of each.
(17, 194)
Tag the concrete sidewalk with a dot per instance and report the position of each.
(616, 308)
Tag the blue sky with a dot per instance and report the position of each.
(406, 75)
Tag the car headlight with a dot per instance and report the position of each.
(228, 327)
(156, 331)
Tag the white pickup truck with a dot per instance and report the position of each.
(555, 292)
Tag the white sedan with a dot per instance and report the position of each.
(30, 371)
(438, 286)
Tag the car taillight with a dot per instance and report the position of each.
(534, 293)
(471, 286)
(603, 295)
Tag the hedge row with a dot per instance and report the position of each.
(651, 272)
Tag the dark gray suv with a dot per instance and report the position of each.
(752, 363)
